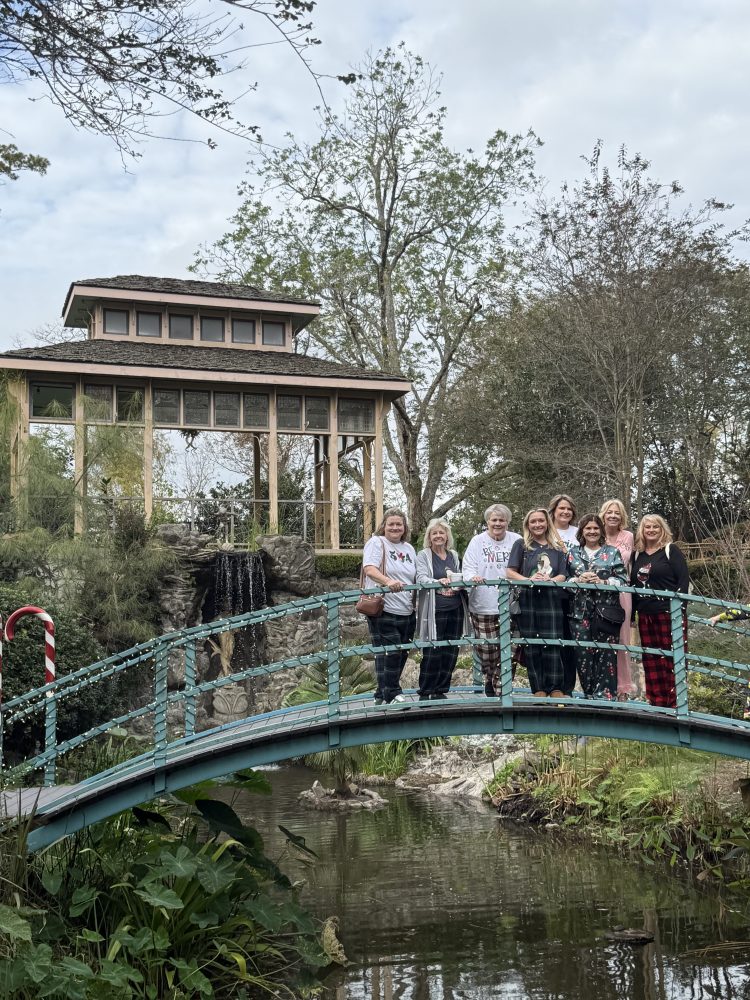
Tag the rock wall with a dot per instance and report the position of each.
(186, 597)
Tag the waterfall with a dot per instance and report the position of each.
(239, 583)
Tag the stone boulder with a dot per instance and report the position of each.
(289, 563)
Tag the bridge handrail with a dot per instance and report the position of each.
(158, 649)
(144, 651)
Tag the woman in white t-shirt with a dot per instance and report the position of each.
(390, 561)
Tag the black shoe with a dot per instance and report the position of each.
(489, 689)
(425, 696)
(378, 701)
(440, 696)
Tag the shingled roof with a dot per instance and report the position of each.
(185, 357)
(187, 286)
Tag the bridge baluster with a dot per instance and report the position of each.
(189, 685)
(679, 658)
(160, 698)
(333, 651)
(506, 659)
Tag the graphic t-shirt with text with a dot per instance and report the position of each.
(400, 564)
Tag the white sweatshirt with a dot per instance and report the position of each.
(487, 557)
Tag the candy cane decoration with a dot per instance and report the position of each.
(50, 714)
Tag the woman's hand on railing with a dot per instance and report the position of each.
(394, 585)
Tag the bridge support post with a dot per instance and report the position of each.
(506, 658)
(190, 684)
(160, 714)
(334, 674)
(679, 662)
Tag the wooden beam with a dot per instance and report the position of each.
(148, 451)
(79, 460)
(378, 458)
(257, 510)
(368, 527)
(273, 466)
(18, 392)
(333, 470)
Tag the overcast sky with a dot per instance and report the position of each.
(668, 79)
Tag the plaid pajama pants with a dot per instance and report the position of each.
(655, 630)
(488, 627)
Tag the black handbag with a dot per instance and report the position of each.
(608, 619)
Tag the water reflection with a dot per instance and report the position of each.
(439, 901)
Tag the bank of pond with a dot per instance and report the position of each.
(227, 889)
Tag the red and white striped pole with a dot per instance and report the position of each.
(50, 714)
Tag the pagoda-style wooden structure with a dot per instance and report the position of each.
(203, 356)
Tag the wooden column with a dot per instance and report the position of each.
(148, 451)
(79, 460)
(333, 471)
(257, 510)
(319, 472)
(18, 392)
(378, 458)
(273, 467)
(368, 526)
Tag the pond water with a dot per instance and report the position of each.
(439, 900)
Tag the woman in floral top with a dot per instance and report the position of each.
(592, 561)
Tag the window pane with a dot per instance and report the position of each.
(357, 415)
(115, 321)
(54, 401)
(129, 405)
(227, 409)
(243, 331)
(148, 324)
(256, 409)
(212, 328)
(197, 408)
(181, 327)
(289, 412)
(273, 334)
(98, 402)
(316, 413)
(167, 406)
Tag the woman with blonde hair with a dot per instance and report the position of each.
(441, 614)
(389, 560)
(658, 565)
(616, 533)
(540, 555)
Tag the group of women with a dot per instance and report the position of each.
(598, 549)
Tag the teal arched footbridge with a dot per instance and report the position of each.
(178, 753)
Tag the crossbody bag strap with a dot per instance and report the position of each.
(362, 570)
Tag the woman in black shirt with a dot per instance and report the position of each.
(540, 555)
(658, 565)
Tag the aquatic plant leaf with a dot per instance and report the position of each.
(147, 817)
(222, 817)
(298, 841)
(266, 912)
(82, 900)
(13, 925)
(51, 882)
(181, 863)
(160, 897)
(200, 791)
(249, 781)
(37, 962)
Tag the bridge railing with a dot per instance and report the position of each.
(168, 707)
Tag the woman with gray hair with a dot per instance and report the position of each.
(441, 614)
(486, 558)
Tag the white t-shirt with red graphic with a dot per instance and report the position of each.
(400, 564)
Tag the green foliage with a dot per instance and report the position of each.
(12, 160)
(24, 665)
(354, 678)
(150, 906)
(338, 564)
(633, 796)
(389, 759)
